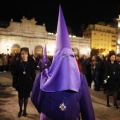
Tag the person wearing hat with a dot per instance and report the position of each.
(63, 90)
(24, 74)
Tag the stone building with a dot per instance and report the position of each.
(118, 32)
(103, 37)
(28, 34)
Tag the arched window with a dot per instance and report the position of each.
(15, 49)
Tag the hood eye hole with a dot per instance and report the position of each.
(63, 55)
(71, 55)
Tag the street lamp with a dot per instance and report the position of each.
(89, 50)
(8, 45)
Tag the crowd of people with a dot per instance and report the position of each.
(6, 61)
(96, 68)
(104, 72)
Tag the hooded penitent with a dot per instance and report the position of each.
(63, 73)
(61, 92)
(44, 62)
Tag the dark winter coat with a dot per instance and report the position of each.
(21, 81)
(111, 71)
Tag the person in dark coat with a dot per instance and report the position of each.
(87, 68)
(62, 91)
(98, 73)
(118, 67)
(110, 79)
(13, 64)
(118, 75)
(23, 72)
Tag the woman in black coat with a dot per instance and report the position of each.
(118, 75)
(111, 81)
(23, 72)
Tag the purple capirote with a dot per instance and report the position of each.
(63, 73)
(44, 62)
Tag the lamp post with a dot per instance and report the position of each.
(8, 45)
(89, 50)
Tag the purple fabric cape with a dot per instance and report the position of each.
(85, 103)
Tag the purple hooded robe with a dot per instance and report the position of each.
(61, 91)
(44, 62)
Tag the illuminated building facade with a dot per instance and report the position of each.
(103, 37)
(118, 32)
(28, 34)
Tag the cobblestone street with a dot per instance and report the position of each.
(9, 103)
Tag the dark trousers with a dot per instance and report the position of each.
(1, 68)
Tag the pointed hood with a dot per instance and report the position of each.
(44, 62)
(62, 38)
(63, 73)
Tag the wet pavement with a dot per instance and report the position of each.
(9, 103)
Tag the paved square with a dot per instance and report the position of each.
(9, 103)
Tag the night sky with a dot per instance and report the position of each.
(76, 12)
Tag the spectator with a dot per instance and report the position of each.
(23, 72)
(110, 76)
(5, 63)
